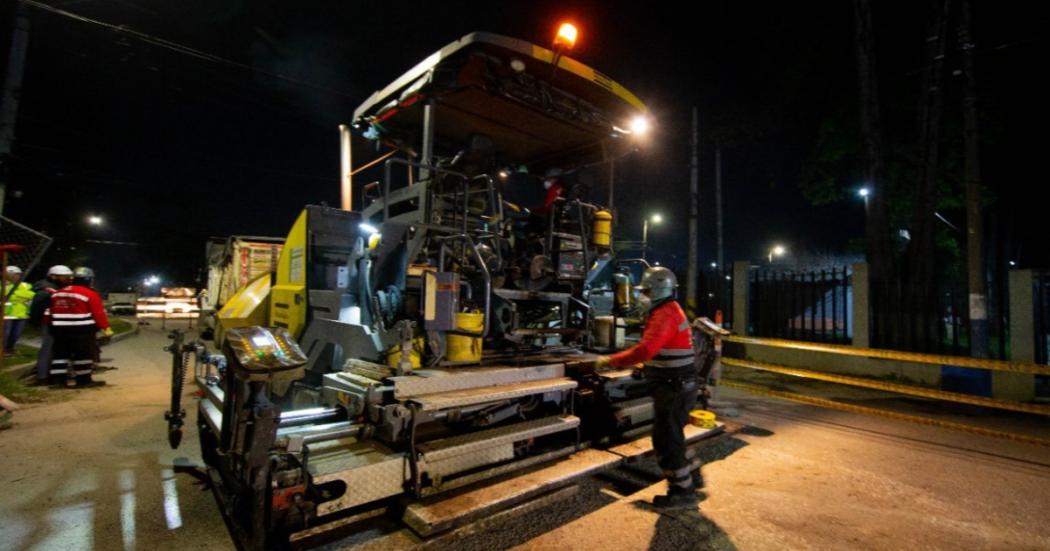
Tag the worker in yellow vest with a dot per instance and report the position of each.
(16, 307)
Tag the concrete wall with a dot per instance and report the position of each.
(1019, 386)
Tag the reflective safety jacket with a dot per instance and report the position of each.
(667, 341)
(17, 305)
(76, 306)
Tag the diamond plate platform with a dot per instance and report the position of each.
(461, 453)
(459, 398)
(431, 381)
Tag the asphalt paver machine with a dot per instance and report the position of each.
(443, 333)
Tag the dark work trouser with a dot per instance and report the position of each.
(673, 398)
(12, 331)
(73, 353)
(43, 357)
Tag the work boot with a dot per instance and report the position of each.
(677, 498)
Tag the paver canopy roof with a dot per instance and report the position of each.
(509, 93)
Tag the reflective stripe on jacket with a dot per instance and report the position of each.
(75, 305)
(666, 342)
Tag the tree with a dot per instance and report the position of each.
(879, 249)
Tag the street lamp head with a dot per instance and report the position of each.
(864, 192)
(656, 218)
(95, 220)
(640, 126)
(779, 250)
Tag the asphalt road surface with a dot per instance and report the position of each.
(92, 470)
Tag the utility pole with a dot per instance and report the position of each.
(718, 204)
(972, 176)
(694, 214)
(12, 89)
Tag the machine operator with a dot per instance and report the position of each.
(666, 352)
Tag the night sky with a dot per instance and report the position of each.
(171, 148)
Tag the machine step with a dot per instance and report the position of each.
(431, 381)
(472, 396)
(443, 513)
(461, 453)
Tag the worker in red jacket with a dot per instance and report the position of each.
(666, 352)
(75, 314)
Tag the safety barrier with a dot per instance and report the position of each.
(831, 404)
(892, 387)
(914, 357)
(908, 390)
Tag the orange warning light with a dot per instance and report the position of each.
(566, 37)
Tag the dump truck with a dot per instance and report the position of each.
(232, 263)
(442, 333)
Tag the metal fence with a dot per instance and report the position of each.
(35, 243)
(715, 294)
(944, 328)
(802, 305)
(1041, 300)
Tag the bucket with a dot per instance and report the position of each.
(603, 331)
(463, 348)
(702, 418)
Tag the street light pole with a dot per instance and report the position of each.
(645, 237)
(656, 218)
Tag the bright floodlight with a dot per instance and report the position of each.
(566, 36)
(656, 218)
(639, 125)
(714, 264)
(779, 250)
(864, 192)
(368, 228)
(95, 220)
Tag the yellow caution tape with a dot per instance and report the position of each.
(702, 418)
(892, 387)
(915, 357)
(755, 389)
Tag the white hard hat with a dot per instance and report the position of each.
(59, 270)
(659, 281)
(14, 270)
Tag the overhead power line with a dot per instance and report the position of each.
(182, 49)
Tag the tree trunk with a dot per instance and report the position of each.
(921, 299)
(975, 268)
(879, 250)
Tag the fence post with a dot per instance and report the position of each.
(861, 306)
(741, 290)
(1019, 386)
